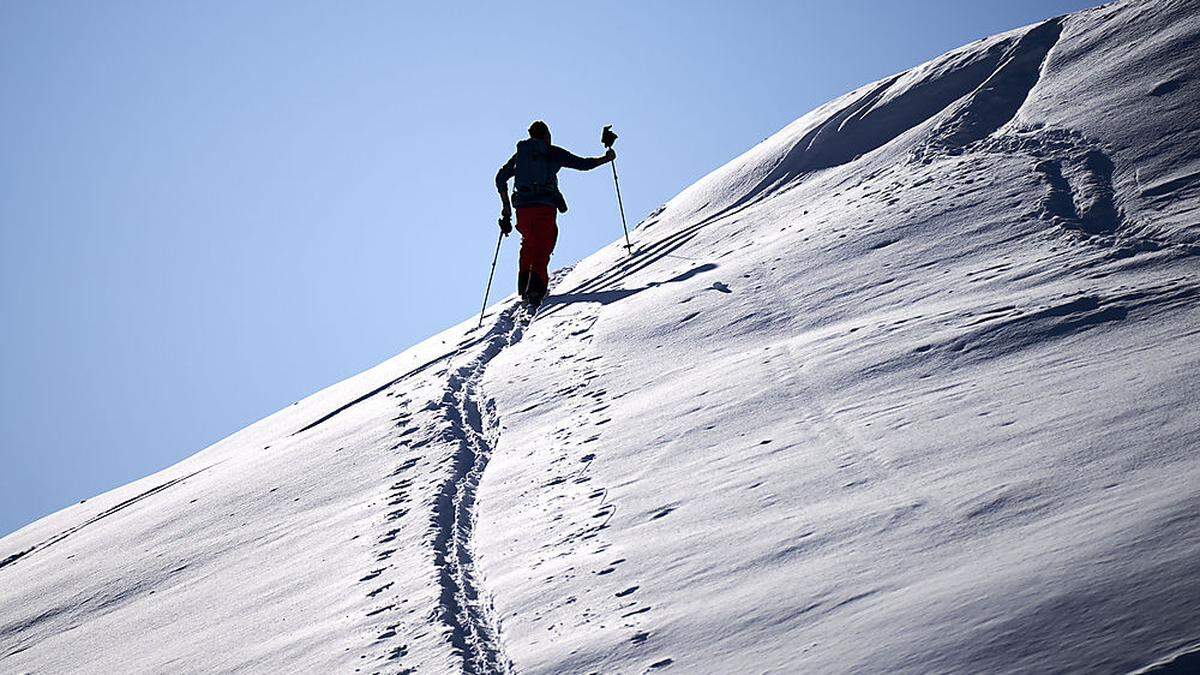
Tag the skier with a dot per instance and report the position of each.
(534, 168)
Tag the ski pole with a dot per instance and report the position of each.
(608, 137)
(621, 206)
(491, 274)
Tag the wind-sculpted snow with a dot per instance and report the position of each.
(908, 387)
(998, 98)
(890, 107)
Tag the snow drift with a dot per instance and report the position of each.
(908, 387)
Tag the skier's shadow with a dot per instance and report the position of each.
(606, 297)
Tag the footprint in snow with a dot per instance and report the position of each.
(663, 512)
(373, 574)
(379, 590)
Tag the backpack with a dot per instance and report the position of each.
(534, 175)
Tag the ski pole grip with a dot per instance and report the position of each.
(608, 136)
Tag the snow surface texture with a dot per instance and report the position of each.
(908, 387)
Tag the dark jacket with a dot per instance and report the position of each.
(534, 166)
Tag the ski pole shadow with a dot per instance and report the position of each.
(641, 257)
(607, 297)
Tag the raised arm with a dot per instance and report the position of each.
(564, 158)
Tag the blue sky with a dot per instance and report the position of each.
(209, 210)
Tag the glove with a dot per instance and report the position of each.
(505, 223)
(610, 155)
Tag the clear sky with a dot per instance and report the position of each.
(209, 210)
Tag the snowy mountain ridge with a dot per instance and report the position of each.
(907, 387)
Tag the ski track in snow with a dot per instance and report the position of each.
(465, 418)
(464, 605)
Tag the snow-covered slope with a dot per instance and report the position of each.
(908, 387)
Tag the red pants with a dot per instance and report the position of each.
(539, 233)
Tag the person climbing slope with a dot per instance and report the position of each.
(533, 169)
